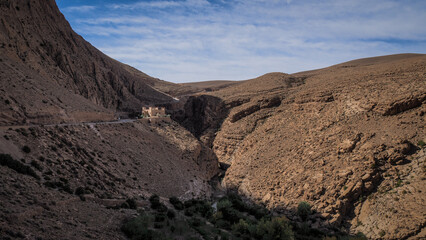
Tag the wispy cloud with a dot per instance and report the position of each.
(194, 40)
(118, 20)
(83, 8)
(161, 4)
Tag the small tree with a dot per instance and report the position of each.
(26, 149)
(177, 204)
(155, 201)
(304, 210)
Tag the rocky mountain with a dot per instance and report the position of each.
(62, 179)
(348, 139)
(51, 73)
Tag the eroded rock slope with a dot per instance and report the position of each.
(105, 163)
(347, 139)
(50, 72)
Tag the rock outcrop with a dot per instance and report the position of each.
(339, 138)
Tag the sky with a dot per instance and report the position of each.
(199, 40)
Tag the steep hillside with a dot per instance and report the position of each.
(63, 179)
(79, 171)
(348, 139)
(50, 72)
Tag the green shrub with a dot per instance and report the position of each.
(304, 210)
(229, 213)
(8, 161)
(36, 165)
(156, 204)
(190, 203)
(158, 225)
(196, 222)
(162, 208)
(398, 183)
(159, 217)
(155, 201)
(171, 214)
(177, 204)
(223, 224)
(223, 236)
(189, 212)
(59, 185)
(22, 131)
(137, 228)
(124, 205)
(223, 203)
(132, 203)
(204, 209)
(79, 191)
(241, 228)
(277, 228)
(26, 149)
(200, 207)
(359, 236)
(304, 229)
(421, 143)
(258, 212)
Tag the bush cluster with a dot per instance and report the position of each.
(199, 207)
(231, 218)
(156, 204)
(249, 221)
(273, 229)
(177, 204)
(130, 203)
(8, 161)
(64, 186)
(82, 190)
(137, 228)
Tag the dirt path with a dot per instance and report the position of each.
(69, 124)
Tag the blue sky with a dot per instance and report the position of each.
(198, 40)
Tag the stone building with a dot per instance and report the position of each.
(153, 112)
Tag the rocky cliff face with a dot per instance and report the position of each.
(347, 139)
(43, 58)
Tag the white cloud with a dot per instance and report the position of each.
(195, 40)
(83, 8)
(118, 20)
(161, 4)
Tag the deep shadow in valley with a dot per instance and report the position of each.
(203, 116)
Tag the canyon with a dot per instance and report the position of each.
(348, 139)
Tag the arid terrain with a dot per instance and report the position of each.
(348, 139)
